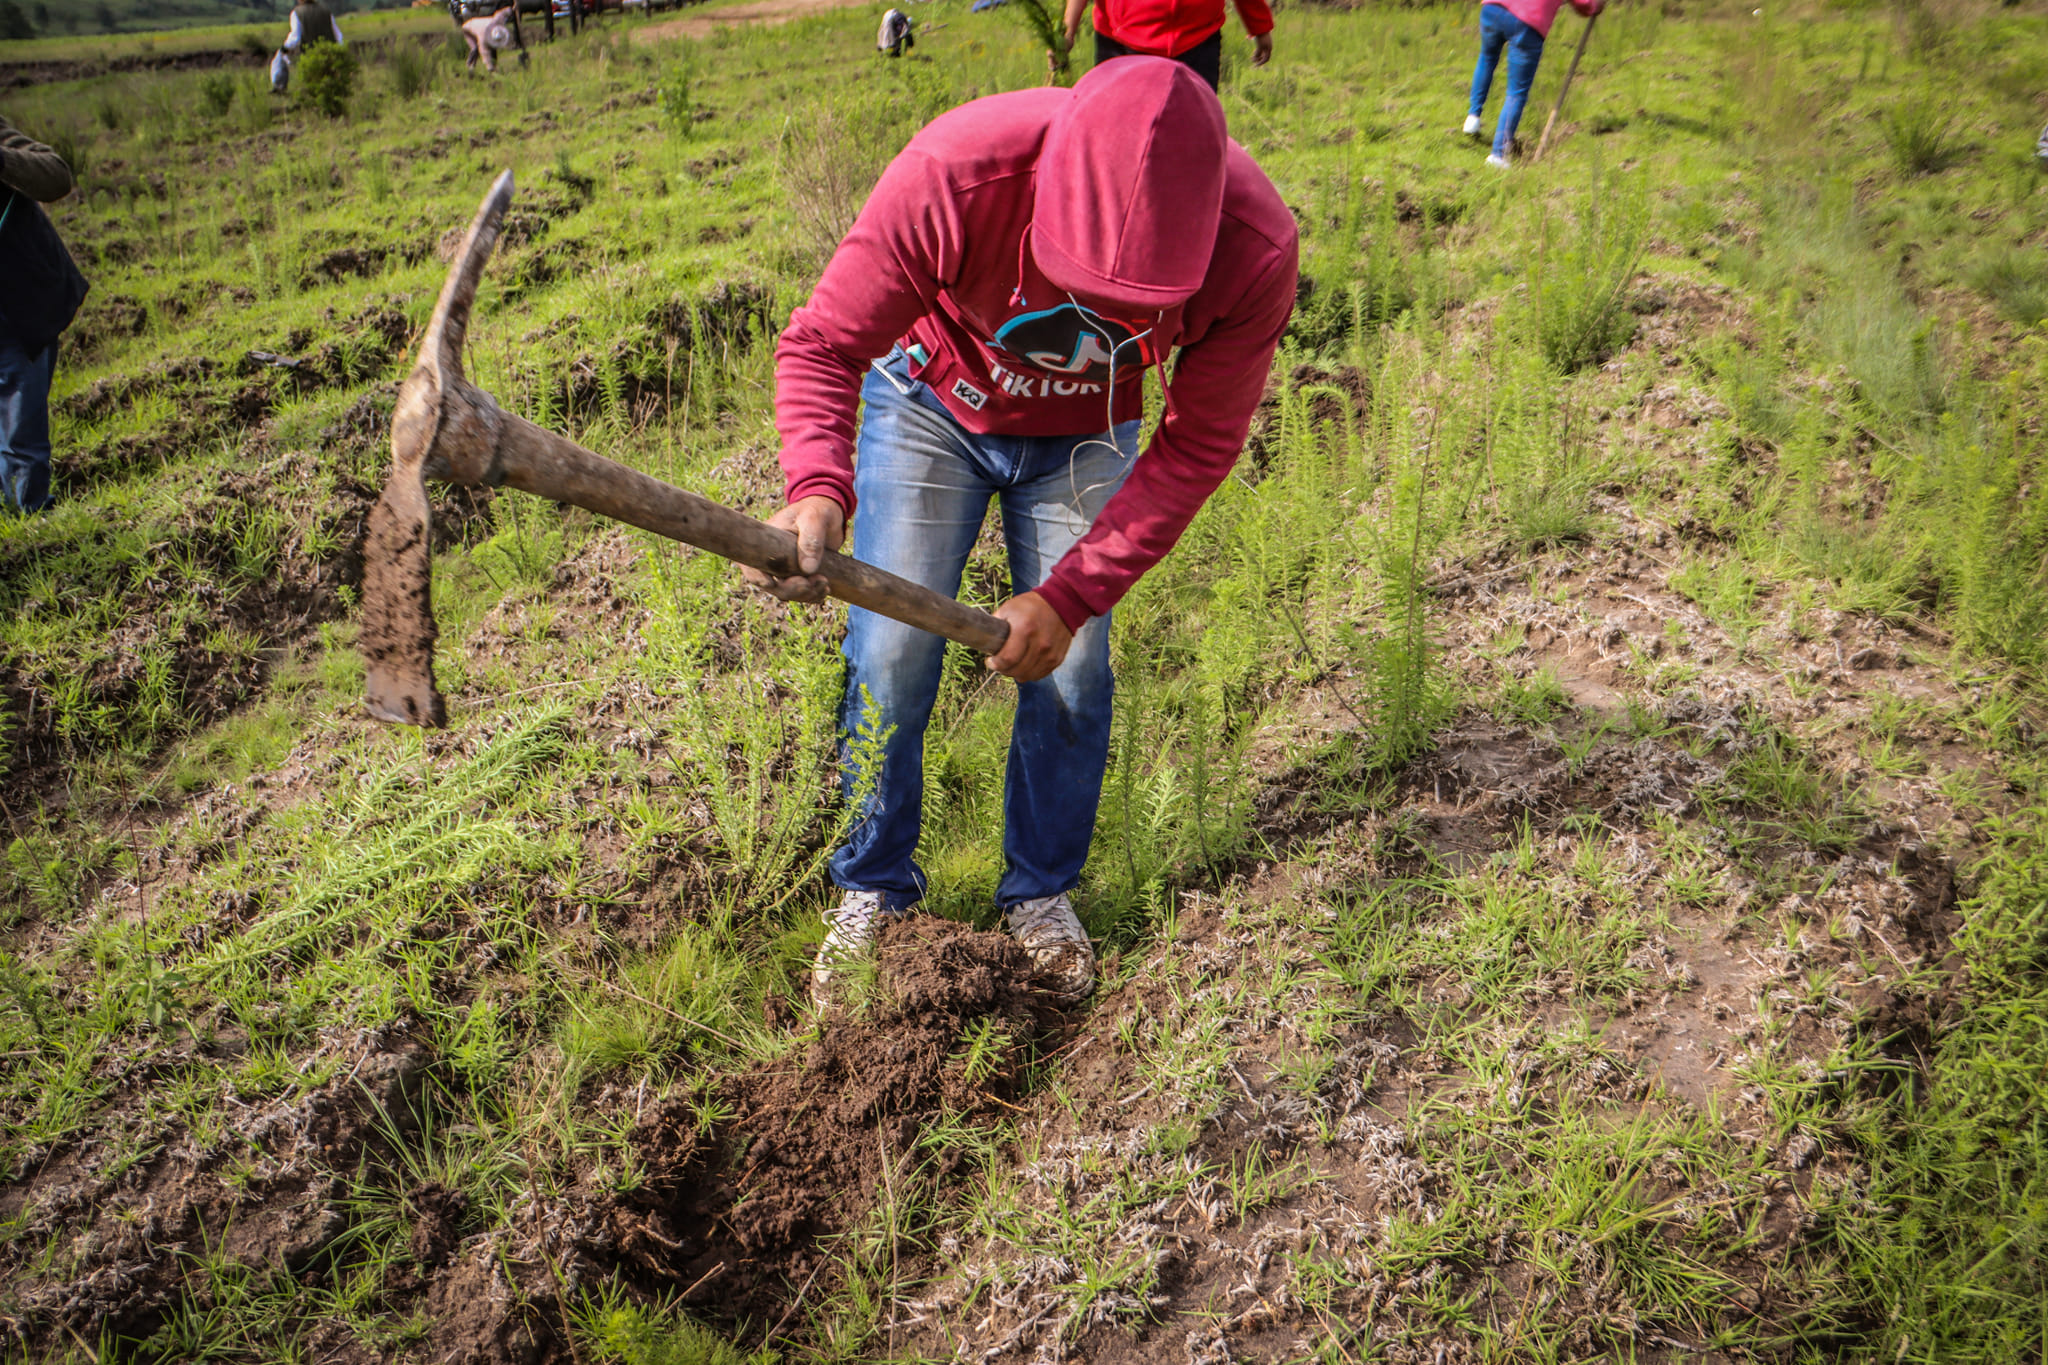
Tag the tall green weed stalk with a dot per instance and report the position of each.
(1391, 504)
(1919, 133)
(833, 151)
(1578, 298)
(1985, 524)
(757, 741)
(1385, 279)
(1538, 462)
(411, 70)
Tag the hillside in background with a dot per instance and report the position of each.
(77, 18)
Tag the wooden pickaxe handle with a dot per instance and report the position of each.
(445, 427)
(1585, 37)
(536, 460)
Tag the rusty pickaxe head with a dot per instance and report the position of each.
(446, 427)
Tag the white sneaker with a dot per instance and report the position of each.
(1496, 159)
(1060, 952)
(1471, 125)
(850, 930)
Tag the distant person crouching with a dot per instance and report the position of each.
(43, 292)
(1187, 31)
(1520, 26)
(489, 34)
(895, 36)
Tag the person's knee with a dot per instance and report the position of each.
(892, 667)
(1084, 677)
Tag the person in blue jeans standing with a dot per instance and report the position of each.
(983, 335)
(42, 294)
(1519, 27)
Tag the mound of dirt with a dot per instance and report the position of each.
(734, 1215)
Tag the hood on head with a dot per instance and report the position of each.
(1130, 186)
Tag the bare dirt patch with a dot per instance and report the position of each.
(105, 1242)
(734, 1215)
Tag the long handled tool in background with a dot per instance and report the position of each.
(447, 428)
(1585, 36)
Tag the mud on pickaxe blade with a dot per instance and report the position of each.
(447, 428)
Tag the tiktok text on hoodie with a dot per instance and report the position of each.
(947, 261)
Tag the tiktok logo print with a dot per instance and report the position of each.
(1076, 344)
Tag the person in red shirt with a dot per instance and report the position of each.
(1013, 275)
(1188, 31)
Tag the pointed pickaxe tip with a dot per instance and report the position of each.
(398, 630)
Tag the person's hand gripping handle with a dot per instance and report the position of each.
(1038, 640)
(819, 525)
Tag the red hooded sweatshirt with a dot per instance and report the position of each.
(1167, 28)
(1016, 248)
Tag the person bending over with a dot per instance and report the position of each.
(42, 295)
(1016, 271)
(311, 24)
(895, 36)
(1187, 32)
(489, 34)
(1520, 26)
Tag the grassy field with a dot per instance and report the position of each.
(225, 31)
(104, 18)
(1571, 876)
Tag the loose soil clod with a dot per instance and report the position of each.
(811, 1148)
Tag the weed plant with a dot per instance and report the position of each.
(412, 70)
(326, 77)
(1919, 132)
(217, 94)
(1578, 296)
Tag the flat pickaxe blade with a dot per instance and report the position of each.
(398, 632)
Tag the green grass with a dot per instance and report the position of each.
(605, 876)
(183, 27)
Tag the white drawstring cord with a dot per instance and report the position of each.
(1074, 455)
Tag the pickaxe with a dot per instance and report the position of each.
(446, 427)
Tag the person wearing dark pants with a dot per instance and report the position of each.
(1188, 33)
(1518, 28)
(42, 295)
(311, 24)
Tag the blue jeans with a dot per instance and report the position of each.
(923, 484)
(1497, 29)
(25, 427)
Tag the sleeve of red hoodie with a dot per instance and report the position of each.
(885, 276)
(1216, 386)
(1257, 16)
